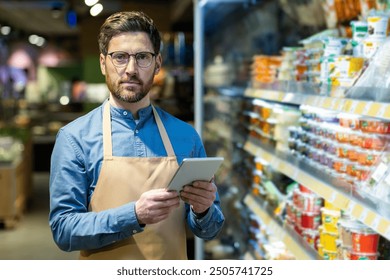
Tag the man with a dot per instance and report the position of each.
(110, 168)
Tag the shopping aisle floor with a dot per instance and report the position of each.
(31, 239)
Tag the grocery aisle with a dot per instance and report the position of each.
(31, 239)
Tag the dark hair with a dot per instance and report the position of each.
(128, 22)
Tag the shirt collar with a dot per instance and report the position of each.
(143, 113)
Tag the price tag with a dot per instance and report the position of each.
(375, 223)
(380, 171)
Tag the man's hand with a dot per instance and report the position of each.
(155, 205)
(200, 195)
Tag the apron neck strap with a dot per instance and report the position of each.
(163, 134)
(107, 139)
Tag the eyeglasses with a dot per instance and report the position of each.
(121, 59)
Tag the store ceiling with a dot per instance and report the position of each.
(39, 16)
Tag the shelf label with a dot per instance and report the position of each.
(347, 106)
(374, 109)
(380, 171)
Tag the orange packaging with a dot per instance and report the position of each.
(368, 157)
(364, 241)
(363, 256)
(375, 126)
(373, 142)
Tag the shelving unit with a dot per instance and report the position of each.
(289, 237)
(343, 196)
(352, 106)
(332, 191)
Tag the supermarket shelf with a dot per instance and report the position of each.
(352, 106)
(330, 189)
(293, 242)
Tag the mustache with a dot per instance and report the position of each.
(132, 79)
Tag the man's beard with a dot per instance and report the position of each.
(126, 94)
(129, 98)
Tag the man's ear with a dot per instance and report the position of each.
(102, 64)
(157, 67)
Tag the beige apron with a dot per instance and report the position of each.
(124, 179)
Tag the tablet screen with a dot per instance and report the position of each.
(194, 169)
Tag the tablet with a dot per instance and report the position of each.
(194, 169)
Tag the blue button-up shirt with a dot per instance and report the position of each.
(75, 166)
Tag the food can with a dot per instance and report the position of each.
(311, 237)
(328, 240)
(310, 220)
(363, 256)
(364, 240)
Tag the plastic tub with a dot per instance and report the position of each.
(364, 240)
(363, 256)
(310, 220)
(330, 219)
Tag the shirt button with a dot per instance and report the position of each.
(136, 131)
(134, 231)
(125, 113)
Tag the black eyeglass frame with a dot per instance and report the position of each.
(130, 55)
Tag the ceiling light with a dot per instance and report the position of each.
(5, 30)
(90, 3)
(95, 10)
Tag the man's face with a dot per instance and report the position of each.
(129, 83)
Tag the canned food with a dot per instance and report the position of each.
(363, 256)
(310, 220)
(364, 240)
(344, 228)
(311, 202)
(311, 237)
(328, 240)
(329, 255)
